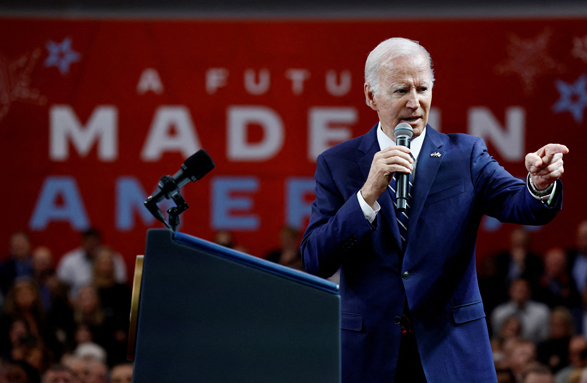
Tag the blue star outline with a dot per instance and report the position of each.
(61, 55)
(573, 98)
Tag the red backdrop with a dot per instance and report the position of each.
(93, 112)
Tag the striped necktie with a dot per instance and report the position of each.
(402, 217)
(402, 223)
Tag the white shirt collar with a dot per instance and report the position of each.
(415, 144)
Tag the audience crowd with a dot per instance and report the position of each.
(69, 322)
(536, 306)
(64, 322)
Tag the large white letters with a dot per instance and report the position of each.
(161, 140)
(509, 141)
(328, 126)
(65, 126)
(238, 120)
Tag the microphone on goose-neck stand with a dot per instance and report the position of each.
(403, 133)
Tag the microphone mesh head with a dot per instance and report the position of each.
(403, 130)
(198, 165)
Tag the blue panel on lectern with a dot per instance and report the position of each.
(212, 314)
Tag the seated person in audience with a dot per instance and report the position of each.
(577, 258)
(76, 267)
(553, 352)
(58, 373)
(19, 263)
(510, 329)
(121, 373)
(577, 358)
(534, 316)
(556, 286)
(538, 374)
(520, 356)
(288, 254)
(518, 262)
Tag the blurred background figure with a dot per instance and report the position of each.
(517, 262)
(538, 374)
(224, 238)
(520, 355)
(79, 368)
(288, 253)
(534, 316)
(76, 268)
(554, 351)
(577, 257)
(19, 262)
(556, 286)
(121, 373)
(577, 359)
(58, 373)
(511, 329)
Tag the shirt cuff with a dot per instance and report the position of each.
(544, 196)
(369, 212)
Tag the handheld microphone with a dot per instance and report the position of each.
(403, 133)
(192, 169)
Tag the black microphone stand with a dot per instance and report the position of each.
(171, 191)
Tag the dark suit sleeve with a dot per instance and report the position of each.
(505, 197)
(336, 226)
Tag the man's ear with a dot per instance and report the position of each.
(370, 96)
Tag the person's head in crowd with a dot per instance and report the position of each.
(21, 372)
(581, 240)
(79, 369)
(561, 324)
(520, 239)
(87, 307)
(121, 373)
(83, 334)
(511, 328)
(90, 352)
(555, 262)
(20, 245)
(538, 374)
(224, 238)
(58, 373)
(290, 238)
(520, 291)
(19, 332)
(104, 268)
(24, 299)
(520, 353)
(91, 241)
(37, 356)
(578, 351)
(43, 262)
(98, 372)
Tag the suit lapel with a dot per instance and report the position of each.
(369, 146)
(426, 170)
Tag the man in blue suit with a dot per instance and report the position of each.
(411, 308)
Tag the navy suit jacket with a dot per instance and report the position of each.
(450, 195)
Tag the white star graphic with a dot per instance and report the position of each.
(580, 48)
(573, 98)
(61, 55)
(528, 58)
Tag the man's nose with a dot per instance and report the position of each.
(413, 100)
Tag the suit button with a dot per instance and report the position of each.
(405, 275)
(397, 320)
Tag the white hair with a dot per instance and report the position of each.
(387, 50)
